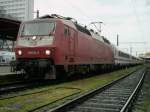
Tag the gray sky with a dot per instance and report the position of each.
(128, 18)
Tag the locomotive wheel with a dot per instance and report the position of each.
(56, 72)
(52, 73)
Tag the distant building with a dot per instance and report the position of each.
(2, 10)
(145, 56)
(19, 9)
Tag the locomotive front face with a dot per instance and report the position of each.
(35, 40)
(35, 46)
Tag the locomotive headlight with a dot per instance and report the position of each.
(47, 52)
(19, 52)
(34, 38)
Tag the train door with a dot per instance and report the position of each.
(71, 42)
(70, 39)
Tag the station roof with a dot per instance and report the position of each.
(9, 28)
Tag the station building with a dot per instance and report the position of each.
(8, 33)
(12, 12)
(20, 9)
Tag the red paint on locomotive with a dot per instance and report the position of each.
(64, 43)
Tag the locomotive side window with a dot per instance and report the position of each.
(66, 31)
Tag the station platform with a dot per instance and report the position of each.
(6, 70)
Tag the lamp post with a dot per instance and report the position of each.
(117, 40)
(37, 13)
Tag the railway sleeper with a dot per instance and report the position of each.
(94, 109)
(103, 105)
(107, 101)
(111, 98)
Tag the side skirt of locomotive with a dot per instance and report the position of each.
(45, 68)
(87, 68)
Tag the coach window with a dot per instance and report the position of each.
(66, 31)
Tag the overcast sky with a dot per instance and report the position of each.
(128, 18)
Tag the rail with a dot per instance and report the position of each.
(75, 102)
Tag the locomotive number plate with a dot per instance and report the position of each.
(33, 52)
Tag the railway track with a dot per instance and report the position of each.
(23, 85)
(117, 96)
(16, 86)
(15, 82)
(8, 79)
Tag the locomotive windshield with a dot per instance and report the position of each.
(42, 28)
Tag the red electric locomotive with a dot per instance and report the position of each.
(50, 44)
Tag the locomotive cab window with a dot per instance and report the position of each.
(35, 29)
(66, 31)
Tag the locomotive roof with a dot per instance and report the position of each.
(73, 24)
(66, 22)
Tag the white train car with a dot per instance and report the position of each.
(6, 57)
(124, 59)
